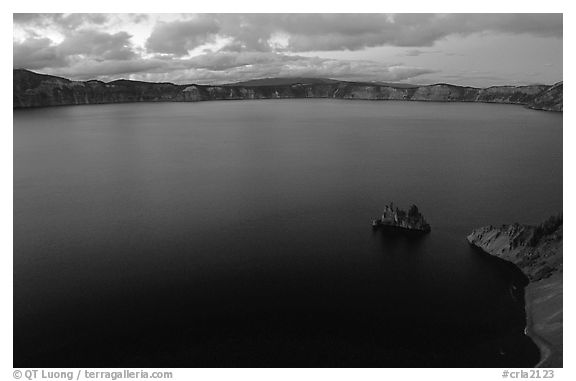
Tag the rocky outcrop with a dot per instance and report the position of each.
(37, 90)
(523, 95)
(537, 251)
(550, 99)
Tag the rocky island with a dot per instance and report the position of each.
(38, 90)
(537, 251)
(400, 220)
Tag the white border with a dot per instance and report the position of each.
(302, 6)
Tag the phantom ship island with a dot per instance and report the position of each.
(395, 219)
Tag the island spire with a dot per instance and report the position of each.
(395, 218)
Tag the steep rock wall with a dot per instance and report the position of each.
(37, 90)
(538, 252)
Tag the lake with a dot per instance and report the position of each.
(238, 233)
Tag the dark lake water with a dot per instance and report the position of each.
(238, 233)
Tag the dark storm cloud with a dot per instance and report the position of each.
(178, 37)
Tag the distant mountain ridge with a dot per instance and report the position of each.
(281, 81)
(32, 89)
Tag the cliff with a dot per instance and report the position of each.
(37, 90)
(537, 251)
(550, 99)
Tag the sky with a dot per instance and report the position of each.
(471, 49)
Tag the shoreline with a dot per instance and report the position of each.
(541, 261)
(536, 327)
(289, 98)
(544, 346)
(32, 89)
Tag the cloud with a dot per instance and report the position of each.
(225, 67)
(420, 52)
(336, 32)
(245, 46)
(104, 46)
(414, 53)
(326, 32)
(37, 53)
(178, 37)
(217, 67)
(81, 48)
(107, 70)
(306, 32)
(329, 32)
(220, 61)
(60, 21)
(138, 17)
